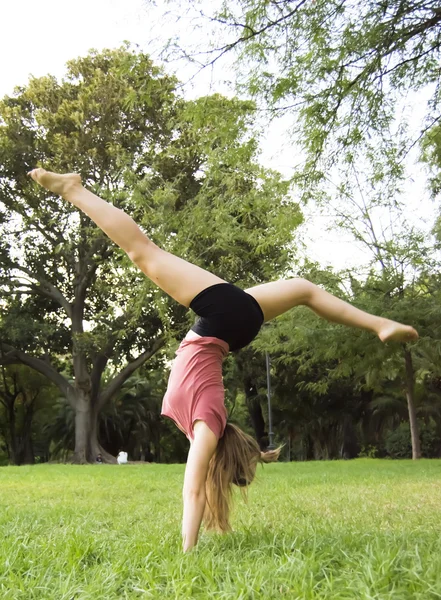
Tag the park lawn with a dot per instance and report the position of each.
(355, 530)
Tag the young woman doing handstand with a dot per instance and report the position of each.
(229, 319)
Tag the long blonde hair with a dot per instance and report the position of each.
(234, 462)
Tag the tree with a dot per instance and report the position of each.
(332, 383)
(131, 421)
(59, 270)
(431, 156)
(317, 402)
(72, 304)
(339, 67)
(22, 393)
(402, 259)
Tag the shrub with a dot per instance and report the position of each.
(369, 451)
(399, 445)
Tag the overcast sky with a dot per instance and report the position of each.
(40, 37)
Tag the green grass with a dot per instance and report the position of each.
(365, 529)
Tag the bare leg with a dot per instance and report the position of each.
(278, 297)
(178, 278)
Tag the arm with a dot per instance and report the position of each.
(201, 451)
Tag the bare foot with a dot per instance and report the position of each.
(392, 331)
(58, 184)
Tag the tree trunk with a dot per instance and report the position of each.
(14, 453)
(308, 445)
(26, 447)
(410, 395)
(87, 446)
(318, 455)
(157, 444)
(94, 445)
(82, 432)
(28, 457)
(80, 394)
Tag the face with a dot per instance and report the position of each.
(240, 481)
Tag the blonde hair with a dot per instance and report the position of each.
(234, 462)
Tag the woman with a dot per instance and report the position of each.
(220, 454)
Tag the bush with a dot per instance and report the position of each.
(399, 444)
(430, 441)
(369, 451)
(4, 460)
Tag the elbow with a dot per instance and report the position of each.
(135, 254)
(139, 250)
(194, 494)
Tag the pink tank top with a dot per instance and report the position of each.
(195, 388)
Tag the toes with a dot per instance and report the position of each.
(35, 173)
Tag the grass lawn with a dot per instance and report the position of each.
(355, 530)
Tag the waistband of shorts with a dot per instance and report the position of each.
(192, 336)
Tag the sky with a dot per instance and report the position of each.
(39, 38)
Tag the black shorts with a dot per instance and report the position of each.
(228, 313)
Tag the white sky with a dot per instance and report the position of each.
(40, 37)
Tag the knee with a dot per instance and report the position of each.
(305, 290)
(143, 255)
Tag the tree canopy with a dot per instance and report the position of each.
(341, 68)
(74, 308)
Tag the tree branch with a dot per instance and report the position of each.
(244, 38)
(259, 31)
(46, 288)
(366, 212)
(116, 383)
(45, 232)
(11, 356)
(100, 362)
(29, 290)
(428, 24)
(86, 279)
(433, 122)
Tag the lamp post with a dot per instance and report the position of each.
(271, 445)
